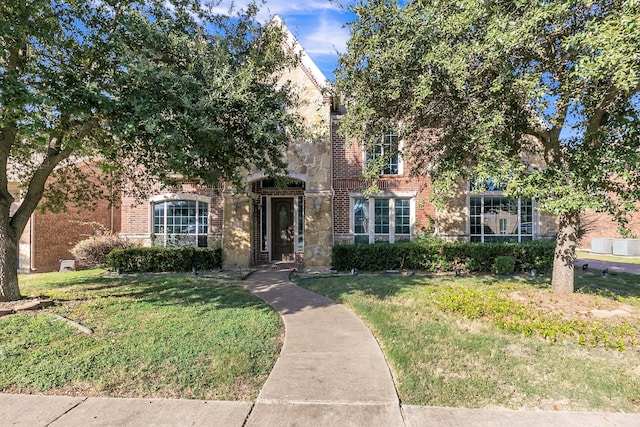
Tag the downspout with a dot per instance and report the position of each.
(31, 243)
(112, 204)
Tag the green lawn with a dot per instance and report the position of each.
(464, 342)
(172, 336)
(610, 258)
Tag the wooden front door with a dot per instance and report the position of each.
(282, 229)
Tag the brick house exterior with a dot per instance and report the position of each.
(321, 203)
(49, 237)
(348, 165)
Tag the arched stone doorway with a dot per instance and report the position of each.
(278, 220)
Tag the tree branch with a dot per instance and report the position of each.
(595, 122)
(38, 181)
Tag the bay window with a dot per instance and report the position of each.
(180, 223)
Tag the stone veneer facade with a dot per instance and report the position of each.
(309, 171)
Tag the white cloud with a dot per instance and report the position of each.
(326, 37)
(280, 7)
(317, 24)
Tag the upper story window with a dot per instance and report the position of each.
(385, 155)
(180, 223)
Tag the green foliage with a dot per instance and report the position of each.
(153, 259)
(151, 90)
(93, 252)
(504, 265)
(544, 95)
(172, 87)
(513, 316)
(438, 256)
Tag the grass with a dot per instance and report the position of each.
(173, 336)
(446, 357)
(609, 258)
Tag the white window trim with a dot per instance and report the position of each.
(168, 197)
(391, 196)
(179, 196)
(535, 215)
(365, 156)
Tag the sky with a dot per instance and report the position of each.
(319, 26)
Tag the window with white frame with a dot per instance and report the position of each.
(382, 219)
(385, 155)
(180, 223)
(495, 218)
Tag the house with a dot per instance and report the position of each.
(49, 237)
(321, 202)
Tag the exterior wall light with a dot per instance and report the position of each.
(317, 204)
(234, 206)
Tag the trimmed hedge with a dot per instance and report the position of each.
(441, 256)
(156, 259)
(504, 265)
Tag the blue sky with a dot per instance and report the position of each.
(317, 24)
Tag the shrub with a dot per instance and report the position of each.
(504, 265)
(154, 259)
(92, 252)
(432, 255)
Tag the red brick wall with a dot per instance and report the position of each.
(603, 225)
(347, 172)
(135, 216)
(56, 233)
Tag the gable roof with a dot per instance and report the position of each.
(310, 67)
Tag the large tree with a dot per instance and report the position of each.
(151, 89)
(541, 95)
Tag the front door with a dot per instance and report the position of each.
(282, 229)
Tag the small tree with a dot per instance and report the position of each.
(502, 82)
(150, 88)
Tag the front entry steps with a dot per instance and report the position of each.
(279, 265)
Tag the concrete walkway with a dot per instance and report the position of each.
(331, 372)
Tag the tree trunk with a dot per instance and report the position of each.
(562, 281)
(9, 290)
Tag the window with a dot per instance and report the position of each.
(384, 155)
(382, 216)
(180, 223)
(493, 218)
(391, 222)
(403, 219)
(360, 220)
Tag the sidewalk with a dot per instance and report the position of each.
(331, 372)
